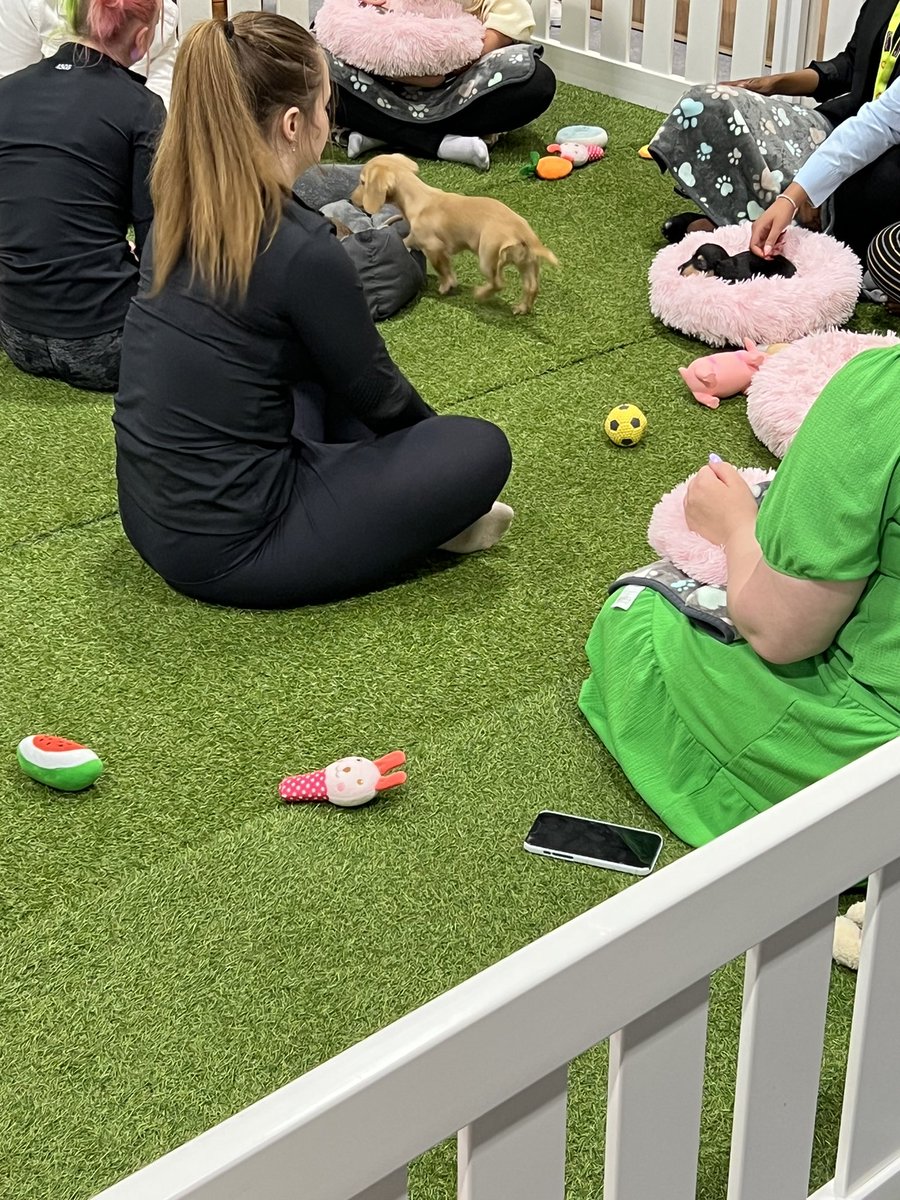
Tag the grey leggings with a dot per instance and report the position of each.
(91, 363)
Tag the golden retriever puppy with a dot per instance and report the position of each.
(444, 223)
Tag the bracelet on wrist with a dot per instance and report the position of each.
(793, 203)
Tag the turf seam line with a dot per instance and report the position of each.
(47, 535)
(563, 366)
(33, 539)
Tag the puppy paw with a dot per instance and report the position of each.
(847, 941)
(447, 285)
(857, 912)
(484, 292)
(523, 308)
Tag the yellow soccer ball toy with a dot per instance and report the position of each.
(625, 425)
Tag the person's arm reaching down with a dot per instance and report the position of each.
(855, 144)
(162, 52)
(143, 149)
(329, 312)
(783, 618)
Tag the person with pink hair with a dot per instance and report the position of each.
(77, 135)
(32, 29)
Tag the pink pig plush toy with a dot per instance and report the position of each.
(348, 783)
(716, 376)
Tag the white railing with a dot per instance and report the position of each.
(489, 1058)
(651, 80)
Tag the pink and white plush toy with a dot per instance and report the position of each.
(348, 783)
(577, 153)
(716, 376)
(401, 37)
(670, 537)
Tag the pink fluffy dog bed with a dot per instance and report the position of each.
(405, 37)
(670, 537)
(822, 294)
(785, 386)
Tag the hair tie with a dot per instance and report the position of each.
(228, 26)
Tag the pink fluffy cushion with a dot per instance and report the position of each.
(822, 294)
(785, 386)
(670, 537)
(405, 37)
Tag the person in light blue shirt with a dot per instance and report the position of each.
(852, 148)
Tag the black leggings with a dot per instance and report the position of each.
(509, 107)
(361, 513)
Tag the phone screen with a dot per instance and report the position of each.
(635, 848)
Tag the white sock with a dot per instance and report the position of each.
(483, 533)
(357, 144)
(469, 150)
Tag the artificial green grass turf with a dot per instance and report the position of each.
(174, 943)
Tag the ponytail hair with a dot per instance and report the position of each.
(104, 21)
(216, 181)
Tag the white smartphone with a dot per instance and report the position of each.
(597, 843)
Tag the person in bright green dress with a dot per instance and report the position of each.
(711, 734)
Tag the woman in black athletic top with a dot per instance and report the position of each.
(269, 452)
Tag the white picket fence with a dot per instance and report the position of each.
(652, 80)
(489, 1058)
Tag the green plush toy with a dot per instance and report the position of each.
(58, 762)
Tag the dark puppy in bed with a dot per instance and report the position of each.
(711, 259)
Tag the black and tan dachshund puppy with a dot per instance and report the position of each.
(711, 259)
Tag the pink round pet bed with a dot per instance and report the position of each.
(822, 294)
(785, 386)
(404, 37)
(669, 536)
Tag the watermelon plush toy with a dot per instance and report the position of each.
(58, 762)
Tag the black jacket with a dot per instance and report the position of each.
(77, 134)
(847, 81)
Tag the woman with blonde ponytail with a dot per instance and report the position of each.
(269, 452)
(77, 135)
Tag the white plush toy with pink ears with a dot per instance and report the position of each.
(348, 783)
(578, 154)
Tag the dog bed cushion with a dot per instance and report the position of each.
(403, 37)
(669, 536)
(326, 183)
(785, 386)
(391, 276)
(821, 295)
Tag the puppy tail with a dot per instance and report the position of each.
(522, 252)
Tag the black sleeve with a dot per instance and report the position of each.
(836, 74)
(327, 307)
(146, 135)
